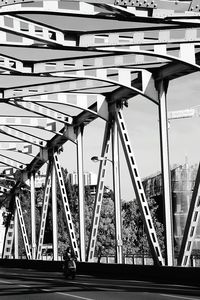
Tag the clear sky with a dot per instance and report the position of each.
(142, 121)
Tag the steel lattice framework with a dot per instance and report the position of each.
(93, 56)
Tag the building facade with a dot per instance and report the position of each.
(182, 179)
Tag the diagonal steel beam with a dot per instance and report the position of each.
(99, 193)
(138, 187)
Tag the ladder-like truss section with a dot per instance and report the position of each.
(23, 228)
(44, 211)
(139, 191)
(70, 224)
(99, 194)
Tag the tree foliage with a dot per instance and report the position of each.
(134, 237)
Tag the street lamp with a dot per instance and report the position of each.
(99, 158)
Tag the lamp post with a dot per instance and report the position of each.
(117, 202)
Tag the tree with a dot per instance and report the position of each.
(134, 236)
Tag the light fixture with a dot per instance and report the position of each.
(99, 158)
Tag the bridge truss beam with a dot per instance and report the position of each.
(130, 51)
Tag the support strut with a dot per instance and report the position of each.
(44, 210)
(166, 174)
(23, 228)
(81, 193)
(139, 191)
(70, 224)
(99, 194)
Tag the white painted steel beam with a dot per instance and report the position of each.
(44, 211)
(71, 230)
(166, 174)
(103, 78)
(117, 194)
(67, 85)
(36, 122)
(33, 31)
(81, 8)
(16, 235)
(162, 53)
(81, 101)
(33, 217)
(23, 227)
(28, 104)
(132, 37)
(54, 212)
(81, 193)
(12, 64)
(99, 193)
(21, 147)
(11, 162)
(22, 136)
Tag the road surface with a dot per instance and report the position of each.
(29, 284)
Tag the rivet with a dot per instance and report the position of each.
(197, 6)
(191, 8)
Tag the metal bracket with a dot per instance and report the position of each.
(195, 6)
(137, 3)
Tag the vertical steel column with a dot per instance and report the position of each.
(33, 220)
(166, 174)
(16, 235)
(54, 213)
(81, 192)
(117, 194)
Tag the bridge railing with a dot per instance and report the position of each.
(136, 259)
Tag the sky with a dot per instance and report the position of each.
(141, 118)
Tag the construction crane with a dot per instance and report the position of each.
(185, 113)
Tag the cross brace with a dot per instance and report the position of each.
(99, 193)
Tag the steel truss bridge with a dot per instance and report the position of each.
(94, 56)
